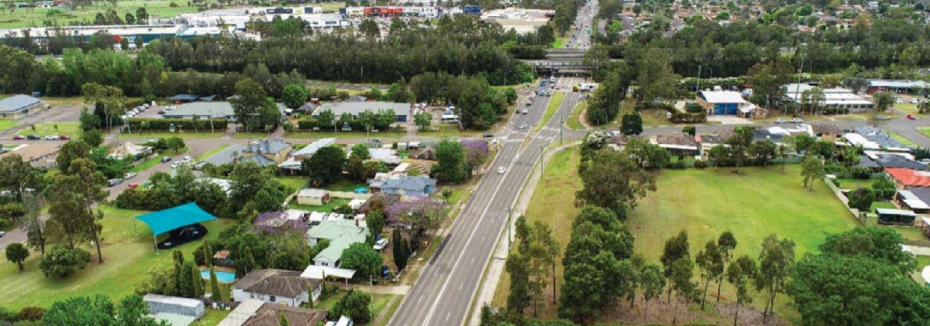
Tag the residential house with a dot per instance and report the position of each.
(294, 162)
(341, 234)
(709, 141)
(871, 138)
(408, 186)
(911, 200)
(266, 152)
(681, 145)
(401, 110)
(276, 286)
(37, 154)
(827, 132)
(880, 160)
(906, 179)
(728, 103)
(386, 155)
(253, 312)
(313, 197)
(18, 106)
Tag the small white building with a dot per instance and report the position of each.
(313, 197)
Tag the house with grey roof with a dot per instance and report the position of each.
(18, 106)
(407, 186)
(401, 110)
(276, 286)
(293, 163)
(341, 234)
(266, 152)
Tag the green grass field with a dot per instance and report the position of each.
(146, 164)
(925, 131)
(152, 135)
(212, 317)
(7, 124)
(325, 208)
(128, 254)
(554, 104)
(71, 129)
(753, 204)
(36, 16)
(574, 120)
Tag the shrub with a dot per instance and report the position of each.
(700, 164)
(152, 124)
(883, 189)
(11, 210)
(60, 261)
(833, 168)
(694, 108)
(30, 313)
(678, 117)
(677, 165)
(860, 172)
(836, 183)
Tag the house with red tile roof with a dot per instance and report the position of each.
(906, 178)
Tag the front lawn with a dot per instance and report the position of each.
(325, 208)
(7, 124)
(70, 129)
(129, 258)
(146, 164)
(752, 204)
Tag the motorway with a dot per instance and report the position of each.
(580, 38)
(444, 292)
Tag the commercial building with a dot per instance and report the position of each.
(41, 35)
(402, 110)
(18, 106)
(728, 103)
(897, 86)
(521, 20)
(239, 18)
(207, 110)
(840, 99)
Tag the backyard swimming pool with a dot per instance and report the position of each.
(222, 277)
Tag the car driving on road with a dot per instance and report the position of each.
(501, 170)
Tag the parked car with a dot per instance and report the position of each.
(51, 137)
(33, 137)
(175, 164)
(796, 120)
(19, 137)
(114, 182)
(165, 159)
(161, 111)
(523, 125)
(129, 175)
(2, 233)
(63, 137)
(780, 121)
(501, 170)
(914, 101)
(488, 135)
(186, 159)
(911, 117)
(133, 186)
(380, 244)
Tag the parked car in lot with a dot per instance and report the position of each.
(19, 137)
(175, 164)
(64, 137)
(186, 159)
(380, 244)
(165, 159)
(780, 121)
(33, 137)
(133, 186)
(114, 182)
(51, 137)
(796, 120)
(129, 175)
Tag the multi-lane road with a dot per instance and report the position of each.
(444, 292)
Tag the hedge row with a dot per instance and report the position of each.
(183, 124)
(678, 117)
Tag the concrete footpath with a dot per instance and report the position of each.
(496, 267)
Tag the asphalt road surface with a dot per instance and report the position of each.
(580, 37)
(445, 290)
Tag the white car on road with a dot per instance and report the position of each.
(380, 244)
(501, 170)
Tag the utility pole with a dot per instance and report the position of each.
(210, 111)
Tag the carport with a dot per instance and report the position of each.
(164, 221)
